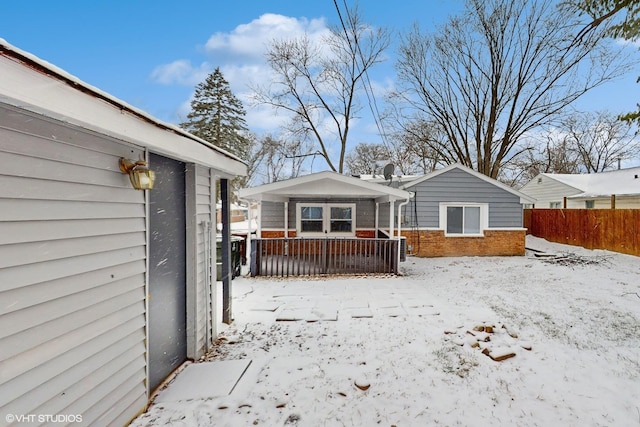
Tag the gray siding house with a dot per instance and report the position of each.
(457, 211)
(343, 215)
(104, 290)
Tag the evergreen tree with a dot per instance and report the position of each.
(217, 116)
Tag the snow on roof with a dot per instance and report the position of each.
(622, 182)
(325, 184)
(378, 178)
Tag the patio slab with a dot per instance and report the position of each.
(205, 381)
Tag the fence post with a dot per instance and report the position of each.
(254, 258)
(324, 258)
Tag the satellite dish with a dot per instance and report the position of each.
(388, 171)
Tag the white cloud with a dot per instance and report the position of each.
(250, 41)
(180, 72)
(240, 55)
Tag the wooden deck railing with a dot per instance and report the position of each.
(318, 256)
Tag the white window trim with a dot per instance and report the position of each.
(326, 219)
(484, 218)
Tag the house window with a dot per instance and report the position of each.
(341, 219)
(335, 219)
(555, 205)
(589, 204)
(463, 219)
(311, 219)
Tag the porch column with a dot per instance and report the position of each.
(286, 219)
(376, 219)
(226, 251)
(259, 221)
(391, 218)
(250, 215)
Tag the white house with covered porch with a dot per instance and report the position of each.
(301, 218)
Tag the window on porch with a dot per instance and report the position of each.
(331, 219)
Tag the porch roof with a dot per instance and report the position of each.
(327, 185)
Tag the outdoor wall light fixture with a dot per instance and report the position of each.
(141, 177)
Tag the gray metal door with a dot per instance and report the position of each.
(167, 276)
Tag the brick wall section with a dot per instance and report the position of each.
(433, 243)
(365, 234)
(277, 234)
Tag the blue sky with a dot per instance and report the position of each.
(151, 54)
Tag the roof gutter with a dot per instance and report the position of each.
(42, 67)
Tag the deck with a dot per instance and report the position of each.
(323, 256)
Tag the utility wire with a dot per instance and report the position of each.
(368, 88)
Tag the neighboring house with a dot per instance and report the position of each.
(320, 206)
(614, 189)
(104, 289)
(456, 211)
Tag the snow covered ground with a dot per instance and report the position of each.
(407, 351)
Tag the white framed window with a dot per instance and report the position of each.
(589, 204)
(464, 219)
(555, 205)
(326, 219)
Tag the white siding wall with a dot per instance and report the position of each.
(205, 214)
(627, 202)
(622, 202)
(72, 274)
(547, 191)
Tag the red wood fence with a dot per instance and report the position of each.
(616, 230)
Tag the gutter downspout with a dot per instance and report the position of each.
(286, 220)
(376, 219)
(247, 251)
(400, 225)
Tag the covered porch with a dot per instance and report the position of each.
(324, 223)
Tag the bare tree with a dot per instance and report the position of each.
(497, 72)
(600, 140)
(278, 159)
(366, 158)
(555, 154)
(319, 83)
(583, 142)
(412, 147)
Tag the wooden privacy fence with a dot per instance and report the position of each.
(310, 257)
(616, 230)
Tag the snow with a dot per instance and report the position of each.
(620, 182)
(194, 382)
(419, 350)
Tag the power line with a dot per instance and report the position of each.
(368, 88)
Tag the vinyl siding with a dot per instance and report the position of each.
(273, 213)
(272, 216)
(505, 210)
(548, 191)
(205, 213)
(72, 273)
